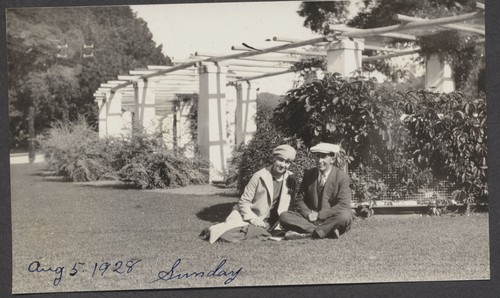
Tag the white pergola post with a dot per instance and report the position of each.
(246, 110)
(114, 122)
(212, 119)
(183, 132)
(127, 119)
(101, 104)
(231, 104)
(166, 126)
(438, 75)
(145, 104)
(344, 56)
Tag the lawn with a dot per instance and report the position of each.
(59, 224)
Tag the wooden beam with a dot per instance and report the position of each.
(272, 59)
(382, 49)
(285, 39)
(379, 57)
(116, 82)
(157, 73)
(347, 30)
(108, 85)
(260, 76)
(268, 50)
(144, 73)
(293, 52)
(160, 67)
(413, 25)
(255, 69)
(128, 78)
(252, 63)
(222, 58)
(404, 18)
(480, 5)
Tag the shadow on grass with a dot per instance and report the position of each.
(215, 213)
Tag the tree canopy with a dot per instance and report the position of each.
(57, 57)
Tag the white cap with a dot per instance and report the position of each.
(325, 148)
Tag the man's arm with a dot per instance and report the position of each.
(300, 205)
(344, 198)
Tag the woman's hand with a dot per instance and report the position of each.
(258, 222)
(313, 216)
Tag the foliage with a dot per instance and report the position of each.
(74, 150)
(365, 188)
(447, 133)
(48, 69)
(318, 14)
(258, 153)
(309, 63)
(421, 137)
(352, 112)
(266, 102)
(144, 162)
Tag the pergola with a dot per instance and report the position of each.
(226, 87)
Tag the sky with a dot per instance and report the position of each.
(184, 29)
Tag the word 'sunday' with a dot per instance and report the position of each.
(218, 271)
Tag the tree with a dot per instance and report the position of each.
(319, 16)
(57, 58)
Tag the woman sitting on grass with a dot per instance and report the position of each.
(267, 195)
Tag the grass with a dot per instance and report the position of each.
(60, 223)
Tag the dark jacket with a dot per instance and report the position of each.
(336, 197)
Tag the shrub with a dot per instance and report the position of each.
(447, 134)
(74, 150)
(144, 162)
(353, 112)
(442, 135)
(258, 153)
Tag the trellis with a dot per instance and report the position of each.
(225, 83)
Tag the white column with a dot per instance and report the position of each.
(183, 132)
(231, 104)
(167, 129)
(114, 121)
(145, 104)
(344, 56)
(212, 119)
(246, 110)
(127, 119)
(438, 75)
(101, 104)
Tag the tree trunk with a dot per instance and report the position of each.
(31, 134)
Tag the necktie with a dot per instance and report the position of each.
(321, 185)
(322, 181)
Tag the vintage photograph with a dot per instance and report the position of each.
(242, 144)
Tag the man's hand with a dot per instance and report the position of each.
(258, 222)
(313, 216)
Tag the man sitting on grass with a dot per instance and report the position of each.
(323, 203)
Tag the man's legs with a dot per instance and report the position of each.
(293, 221)
(340, 222)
